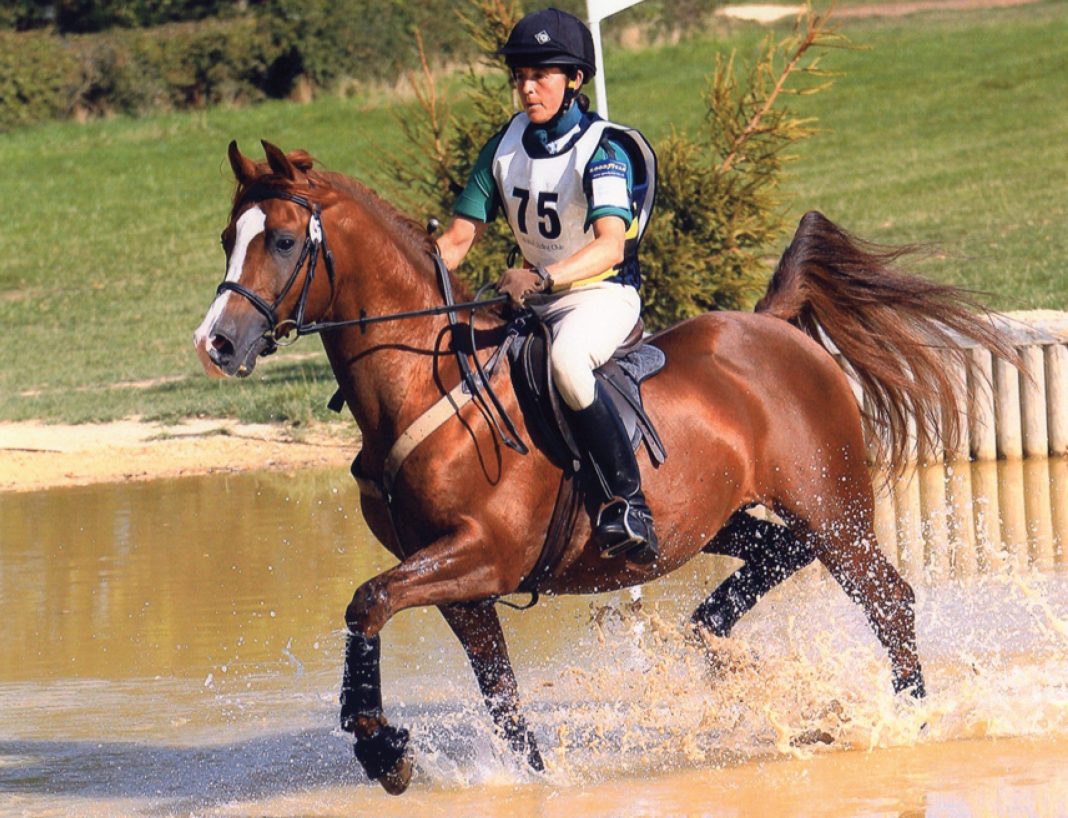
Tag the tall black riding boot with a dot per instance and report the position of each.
(624, 524)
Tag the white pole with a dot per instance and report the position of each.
(598, 80)
(598, 10)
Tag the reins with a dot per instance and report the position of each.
(475, 381)
(278, 331)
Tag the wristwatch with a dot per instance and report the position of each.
(544, 277)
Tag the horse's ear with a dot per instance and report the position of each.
(278, 161)
(244, 168)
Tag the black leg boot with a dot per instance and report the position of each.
(624, 524)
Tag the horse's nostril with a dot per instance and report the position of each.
(221, 347)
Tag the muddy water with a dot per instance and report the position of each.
(173, 648)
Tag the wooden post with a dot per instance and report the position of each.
(1033, 402)
(986, 509)
(982, 431)
(1057, 397)
(1013, 511)
(1007, 409)
(1058, 489)
(959, 373)
(933, 504)
(914, 453)
(909, 524)
(1039, 519)
(885, 521)
(961, 522)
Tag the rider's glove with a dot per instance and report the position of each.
(518, 283)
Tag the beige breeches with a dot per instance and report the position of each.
(588, 324)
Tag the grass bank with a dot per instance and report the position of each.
(948, 130)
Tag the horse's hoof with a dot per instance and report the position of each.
(396, 781)
(810, 737)
(386, 757)
(534, 759)
(911, 683)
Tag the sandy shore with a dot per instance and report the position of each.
(36, 456)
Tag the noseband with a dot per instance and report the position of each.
(313, 240)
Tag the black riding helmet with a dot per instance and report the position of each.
(550, 37)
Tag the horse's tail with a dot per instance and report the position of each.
(896, 331)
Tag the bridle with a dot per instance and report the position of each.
(278, 332)
(476, 379)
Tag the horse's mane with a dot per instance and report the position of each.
(320, 182)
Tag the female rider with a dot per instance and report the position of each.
(577, 192)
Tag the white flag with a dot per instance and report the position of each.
(599, 9)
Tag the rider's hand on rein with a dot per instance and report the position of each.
(518, 283)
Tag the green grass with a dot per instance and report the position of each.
(948, 130)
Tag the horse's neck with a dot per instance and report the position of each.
(387, 372)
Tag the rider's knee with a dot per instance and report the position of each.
(573, 378)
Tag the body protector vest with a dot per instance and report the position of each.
(546, 200)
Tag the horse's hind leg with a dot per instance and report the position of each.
(772, 553)
(846, 545)
(478, 628)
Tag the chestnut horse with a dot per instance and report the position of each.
(752, 409)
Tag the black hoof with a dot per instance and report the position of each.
(396, 781)
(913, 683)
(715, 619)
(384, 757)
(526, 744)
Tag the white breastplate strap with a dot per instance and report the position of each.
(423, 426)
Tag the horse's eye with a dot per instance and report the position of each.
(285, 245)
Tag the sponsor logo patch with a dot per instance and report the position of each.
(542, 37)
(602, 169)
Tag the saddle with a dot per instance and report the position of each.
(548, 423)
(548, 419)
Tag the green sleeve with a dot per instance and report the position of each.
(611, 157)
(479, 199)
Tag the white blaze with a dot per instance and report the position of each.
(250, 225)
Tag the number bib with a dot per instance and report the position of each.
(544, 197)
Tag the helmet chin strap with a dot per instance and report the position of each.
(565, 105)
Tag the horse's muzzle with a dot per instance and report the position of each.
(225, 351)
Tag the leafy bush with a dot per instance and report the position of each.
(367, 40)
(23, 15)
(194, 65)
(38, 75)
(182, 65)
(83, 16)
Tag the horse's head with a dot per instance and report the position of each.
(273, 243)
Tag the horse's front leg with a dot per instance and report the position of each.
(457, 568)
(478, 628)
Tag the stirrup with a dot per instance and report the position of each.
(639, 546)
